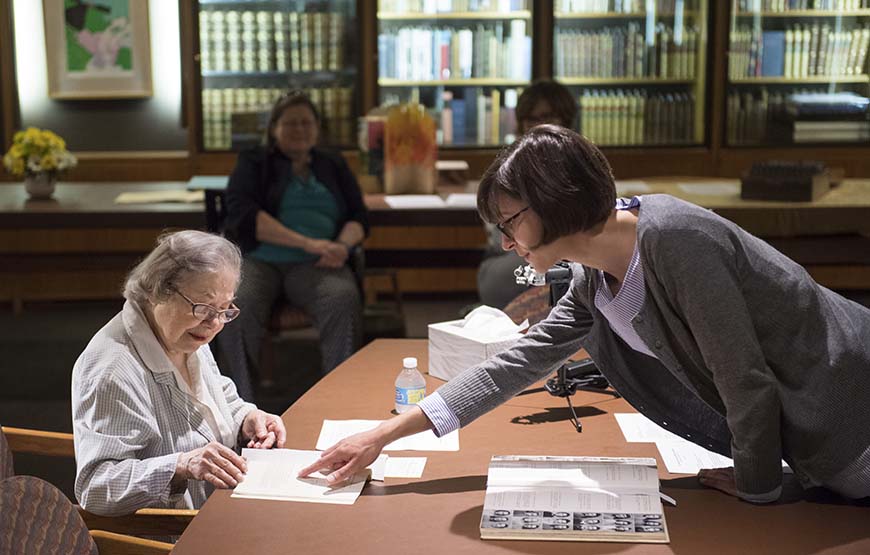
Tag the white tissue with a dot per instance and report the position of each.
(485, 323)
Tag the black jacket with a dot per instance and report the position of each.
(260, 178)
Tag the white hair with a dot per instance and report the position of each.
(176, 256)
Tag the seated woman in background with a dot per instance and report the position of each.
(155, 423)
(296, 211)
(542, 102)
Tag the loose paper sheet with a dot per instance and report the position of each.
(334, 431)
(461, 200)
(272, 474)
(712, 188)
(414, 201)
(679, 455)
(150, 197)
(405, 467)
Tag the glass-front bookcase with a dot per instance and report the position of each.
(797, 72)
(637, 67)
(465, 60)
(253, 51)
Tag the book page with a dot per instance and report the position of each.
(592, 473)
(334, 431)
(272, 474)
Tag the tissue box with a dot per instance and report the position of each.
(451, 350)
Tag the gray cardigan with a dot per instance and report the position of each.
(755, 360)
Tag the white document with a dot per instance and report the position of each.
(637, 428)
(679, 455)
(632, 187)
(461, 200)
(334, 431)
(414, 201)
(272, 474)
(683, 457)
(379, 467)
(405, 467)
(711, 188)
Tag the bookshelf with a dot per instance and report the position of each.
(465, 60)
(251, 52)
(798, 73)
(637, 67)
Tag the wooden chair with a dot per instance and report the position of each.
(37, 518)
(144, 522)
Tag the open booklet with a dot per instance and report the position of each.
(573, 498)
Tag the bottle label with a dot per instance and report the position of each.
(410, 395)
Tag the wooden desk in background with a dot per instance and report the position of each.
(80, 244)
(440, 512)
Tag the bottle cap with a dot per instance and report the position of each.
(409, 362)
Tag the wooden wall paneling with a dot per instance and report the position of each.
(367, 61)
(148, 165)
(854, 160)
(718, 54)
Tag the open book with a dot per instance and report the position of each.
(573, 498)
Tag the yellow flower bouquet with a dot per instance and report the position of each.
(38, 151)
(410, 150)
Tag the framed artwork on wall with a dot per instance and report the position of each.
(97, 48)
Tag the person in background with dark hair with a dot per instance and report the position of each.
(296, 211)
(542, 102)
(702, 327)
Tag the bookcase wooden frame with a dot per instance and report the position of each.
(711, 158)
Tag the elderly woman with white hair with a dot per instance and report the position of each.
(155, 423)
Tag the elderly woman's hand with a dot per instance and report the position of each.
(263, 430)
(215, 463)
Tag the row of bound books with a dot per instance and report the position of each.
(791, 5)
(218, 106)
(262, 41)
(621, 6)
(445, 6)
(799, 51)
(627, 52)
(637, 118)
(775, 118)
(433, 53)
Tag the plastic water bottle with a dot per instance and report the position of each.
(410, 385)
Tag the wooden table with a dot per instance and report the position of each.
(440, 512)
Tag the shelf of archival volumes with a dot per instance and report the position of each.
(798, 72)
(637, 67)
(252, 52)
(465, 60)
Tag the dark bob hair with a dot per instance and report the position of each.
(559, 174)
(291, 98)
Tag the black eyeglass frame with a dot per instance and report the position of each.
(224, 316)
(503, 225)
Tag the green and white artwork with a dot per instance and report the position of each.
(99, 36)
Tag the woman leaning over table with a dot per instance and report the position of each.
(155, 423)
(702, 327)
(296, 211)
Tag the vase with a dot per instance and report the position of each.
(39, 186)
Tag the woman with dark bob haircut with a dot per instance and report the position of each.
(702, 327)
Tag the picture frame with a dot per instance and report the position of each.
(97, 49)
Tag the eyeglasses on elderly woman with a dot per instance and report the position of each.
(206, 312)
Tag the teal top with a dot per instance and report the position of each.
(307, 207)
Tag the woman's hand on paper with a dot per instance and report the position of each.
(719, 478)
(214, 463)
(347, 457)
(263, 430)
